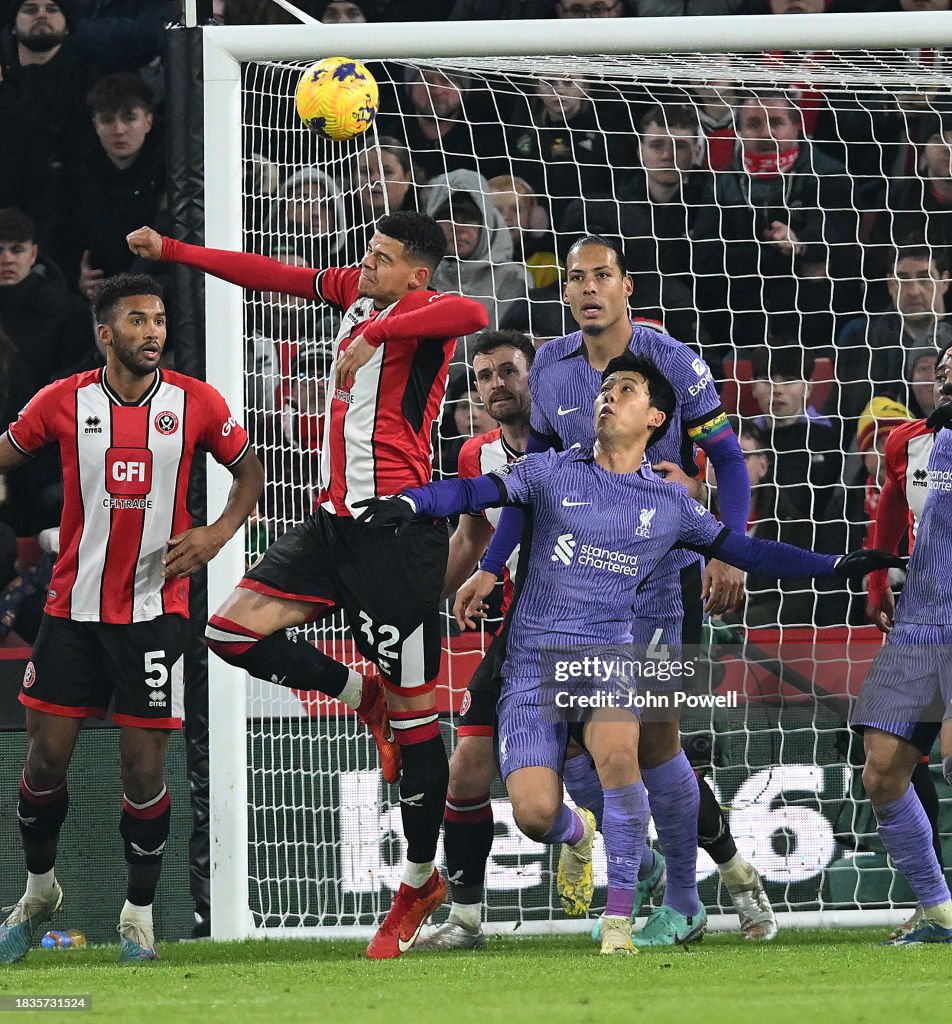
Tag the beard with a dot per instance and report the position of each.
(42, 42)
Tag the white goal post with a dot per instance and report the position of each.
(851, 51)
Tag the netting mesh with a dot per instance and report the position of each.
(759, 201)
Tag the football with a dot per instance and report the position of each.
(337, 98)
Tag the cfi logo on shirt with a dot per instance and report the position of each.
(645, 517)
(166, 422)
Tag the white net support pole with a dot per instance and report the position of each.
(224, 366)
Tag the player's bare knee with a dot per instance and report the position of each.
(46, 761)
(617, 765)
(535, 815)
(883, 782)
(472, 767)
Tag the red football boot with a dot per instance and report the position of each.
(402, 925)
(373, 713)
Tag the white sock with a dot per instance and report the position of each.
(736, 873)
(133, 912)
(941, 913)
(40, 886)
(470, 914)
(417, 875)
(353, 689)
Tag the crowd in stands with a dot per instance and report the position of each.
(797, 238)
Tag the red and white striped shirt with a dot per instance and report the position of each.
(479, 455)
(125, 478)
(378, 434)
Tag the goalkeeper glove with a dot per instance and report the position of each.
(395, 511)
(940, 417)
(865, 561)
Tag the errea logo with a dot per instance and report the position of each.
(564, 549)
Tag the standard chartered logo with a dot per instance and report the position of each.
(567, 549)
(564, 549)
(940, 479)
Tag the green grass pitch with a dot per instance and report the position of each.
(803, 977)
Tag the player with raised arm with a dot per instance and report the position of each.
(592, 511)
(388, 380)
(564, 381)
(501, 364)
(908, 814)
(114, 623)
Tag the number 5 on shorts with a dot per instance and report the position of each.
(156, 674)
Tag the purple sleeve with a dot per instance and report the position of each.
(509, 529)
(452, 497)
(771, 558)
(733, 483)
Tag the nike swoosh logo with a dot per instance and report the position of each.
(571, 504)
(404, 944)
(564, 412)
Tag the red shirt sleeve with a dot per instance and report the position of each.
(892, 513)
(34, 426)
(427, 314)
(222, 435)
(259, 273)
(338, 285)
(468, 461)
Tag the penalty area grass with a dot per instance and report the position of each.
(807, 977)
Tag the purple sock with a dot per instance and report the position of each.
(647, 862)
(907, 836)
(568, 827)
(581, 781)
(624, 828)
(674, 800)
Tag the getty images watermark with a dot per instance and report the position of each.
(631, 678)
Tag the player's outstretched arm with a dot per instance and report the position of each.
(10, 457)
(434, 501)
(192, 549)
(258, 273)
(776, 560)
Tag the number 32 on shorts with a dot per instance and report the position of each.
(384, 639)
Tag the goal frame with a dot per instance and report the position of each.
(224, 50)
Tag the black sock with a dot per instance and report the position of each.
(924, 785)
(145, 830)
(713, 832)
(285, 660)
(40, 815)
(426, 773)
(467, 841)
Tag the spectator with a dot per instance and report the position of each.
(345, 12)
(50, 327)
(877, 355)
(807, 456)
(656, 203)
(502, 10)
(46, 81)
(775, 233)
(119, 182)
(875, 423)
(446, 123)
(714, 102)
(308, 213)
(559, 141)
(527, 221)
(773, 517)
(386, 181)
(15, 381)
(120, 35)
(479, 260)
(685, 8)
(919, 207)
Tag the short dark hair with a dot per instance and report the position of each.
(16, 226)
(116, 94)
(608, 243)
(918, 251)
(671, 115)
(660, 392)
(422, 237)
(489, 341)
(121, 286)
(790, 361)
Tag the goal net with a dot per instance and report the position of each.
(759, 198)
